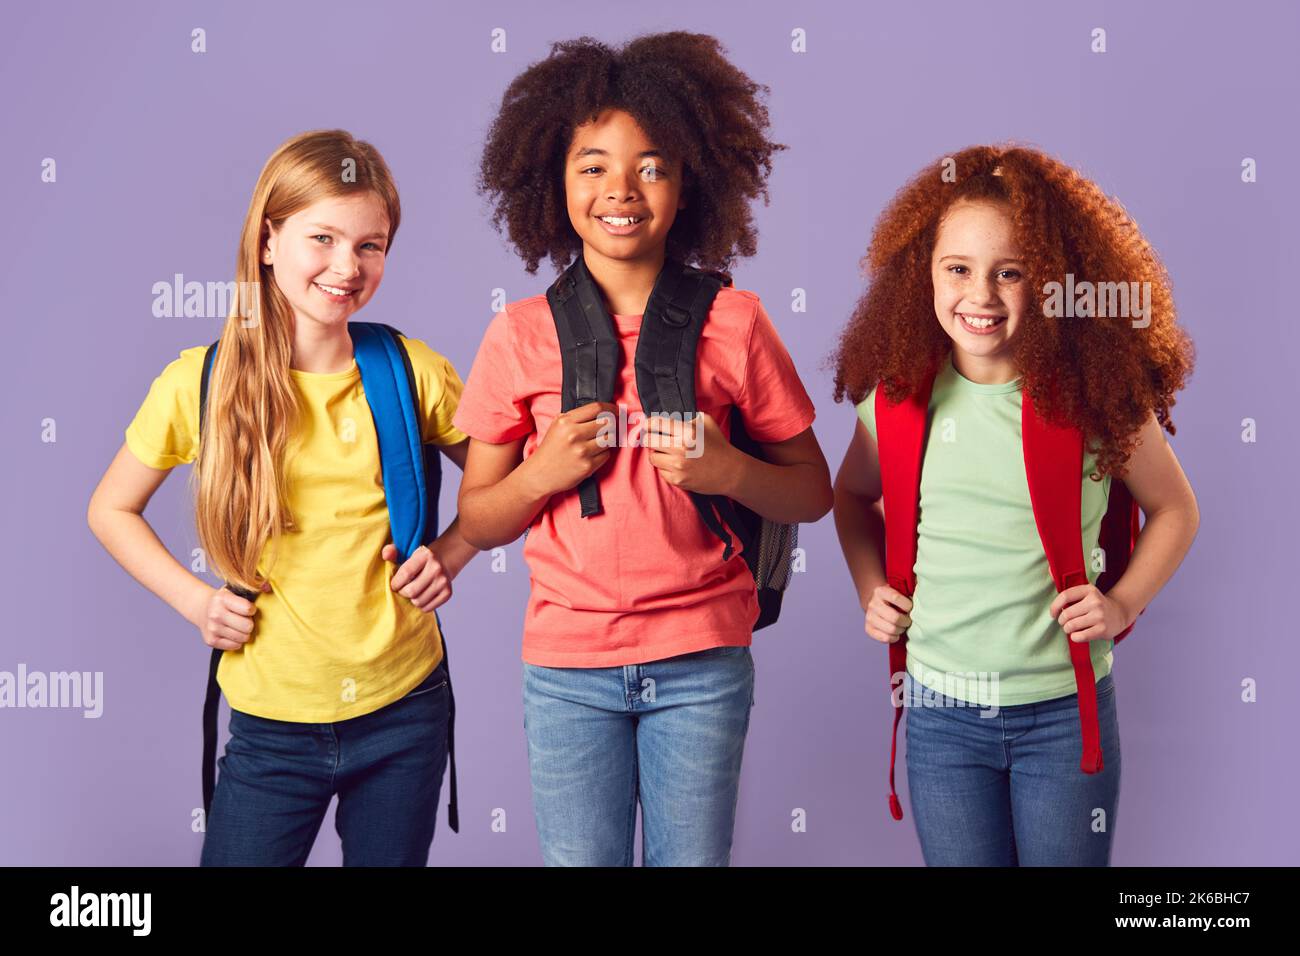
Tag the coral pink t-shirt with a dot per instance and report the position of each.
(644, 579)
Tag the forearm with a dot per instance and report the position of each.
(860, 525)
(1164, 541)
(497, 514)
(453, 551)
(787, 494)
(131, 541)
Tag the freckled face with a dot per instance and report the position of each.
(980, 292)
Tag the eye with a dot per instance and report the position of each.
(1013, 273)
(952, 268)
(374, 246)
(587, 169)
(652, 173)
(321, 236)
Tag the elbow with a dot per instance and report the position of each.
(470, 532)
(475, 535)
(1193, 515)
(93, 516)
(823, 503)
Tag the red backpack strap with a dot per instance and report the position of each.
(900, 438)
(1054, 468)
(1119, 532)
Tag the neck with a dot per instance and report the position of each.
(985, 369)
(321, 348)
(626, 283)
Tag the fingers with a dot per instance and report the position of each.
(222, 644)
(435, 597)
(426, 575)
(589, 412)
(887, 618)
(1086, 621)
(885, 635)
(225, 639)
(428, 585)
(1070, 596)
(674, 431)
(1088, 605)
(883, 629)
(895, 597)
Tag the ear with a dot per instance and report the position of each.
(267, 251)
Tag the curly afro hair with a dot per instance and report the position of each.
(1099, 374)
(680, 88)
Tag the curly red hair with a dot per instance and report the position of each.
(1099, 374)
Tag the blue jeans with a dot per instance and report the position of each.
(670, 733)
(1007, 790)
(277, 778)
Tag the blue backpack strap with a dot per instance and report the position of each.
(394, 408)
(412, 473)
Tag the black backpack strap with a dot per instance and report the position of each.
(666, 353)
(212, 696)
(589, 353)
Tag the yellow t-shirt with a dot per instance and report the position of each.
(332, 640)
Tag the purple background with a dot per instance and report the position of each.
(158, 149)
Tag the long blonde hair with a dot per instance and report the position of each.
(252, 404)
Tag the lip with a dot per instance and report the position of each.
(621, 230)
(974, 331)
(337, 298)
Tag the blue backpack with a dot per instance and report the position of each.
(412, 473)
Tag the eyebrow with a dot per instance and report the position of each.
(593, 151)
(321, 225)
(997, 263)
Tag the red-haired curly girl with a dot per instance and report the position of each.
(1013, 361)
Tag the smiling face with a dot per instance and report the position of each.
(328, 258)
(980, 291)
(622, 193)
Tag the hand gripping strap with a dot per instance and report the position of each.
(589, 353)
(665, 361)
(397, 427)
(1054, 467)
(900, 437)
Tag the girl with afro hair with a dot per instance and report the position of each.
(1013, 361)
(633, 164)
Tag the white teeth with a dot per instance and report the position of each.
(333, 291)
(979, 323)
(620, 220)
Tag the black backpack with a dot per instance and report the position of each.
(665, 380)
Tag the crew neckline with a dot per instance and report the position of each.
(983, 388)
(349, 372)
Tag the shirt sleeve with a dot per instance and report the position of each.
(164, 431)
(867, 412)
(440, 390)
(490, 408)
(772, 401)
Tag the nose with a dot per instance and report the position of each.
(621, 187)
(986, 292)
(344, 264)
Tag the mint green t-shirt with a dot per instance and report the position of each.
(983, 586)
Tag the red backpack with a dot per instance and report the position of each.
(1053, 463)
